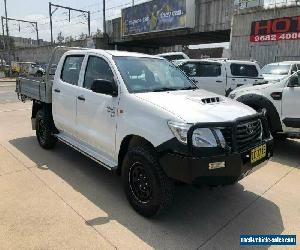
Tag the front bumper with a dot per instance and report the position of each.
(195, 170)
(193, 165)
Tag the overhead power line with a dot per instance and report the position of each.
(69, 10)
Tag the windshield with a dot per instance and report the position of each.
(272, 69)
(151, 75)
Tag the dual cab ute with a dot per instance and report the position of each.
(142, 117)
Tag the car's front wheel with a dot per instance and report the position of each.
(148, 189)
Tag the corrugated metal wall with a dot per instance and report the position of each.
(264, 52)
(213, 15)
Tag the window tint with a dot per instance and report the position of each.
(209, 70)
(71, 69)
(97, 68)
(243, 70)
(202, 69)
(190, 69)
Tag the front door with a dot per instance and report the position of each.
(290, 107)
(64, 95)
(97, 113)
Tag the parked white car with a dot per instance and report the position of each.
(142, 117)
(280, 101)
(221, 76)
(172, 56)
(274, 72)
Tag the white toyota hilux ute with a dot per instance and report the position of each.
(142, 117)
(280, 101)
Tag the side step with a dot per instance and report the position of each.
(110, 165)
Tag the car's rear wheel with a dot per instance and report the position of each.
(148, 189)
(44, 133)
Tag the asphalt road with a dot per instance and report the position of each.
(59, 199)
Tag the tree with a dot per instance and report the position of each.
(69, 39)
(11, 43)
(82, 36)
(98, 33)
(60, 37)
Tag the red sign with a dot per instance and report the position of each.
(285, 28)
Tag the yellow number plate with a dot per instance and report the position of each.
(258, 153)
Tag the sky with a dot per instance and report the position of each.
(38, 10)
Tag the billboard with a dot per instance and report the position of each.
(284, 28)
(157, 15)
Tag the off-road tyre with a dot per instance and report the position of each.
(149, 191)
(44, 131)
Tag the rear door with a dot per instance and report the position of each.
(290, 107)
(210, 76)
(64, 94)
(97, 113)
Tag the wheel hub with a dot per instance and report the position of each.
(140, 182)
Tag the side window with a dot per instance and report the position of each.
(190, 69)
(97, 68)
(246, 70)
(209, 70)
(298, 67)
(71, 69)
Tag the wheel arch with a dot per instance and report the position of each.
(128, 142)
(258, 101)
(47, 109)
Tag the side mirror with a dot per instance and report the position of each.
(105, 87)
(294, 81)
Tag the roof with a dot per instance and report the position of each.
(177, 62)
(285, 62)
(172, 53)
(113, 53)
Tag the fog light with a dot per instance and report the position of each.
(216, 165)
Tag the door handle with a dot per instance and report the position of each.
(219, 81)
(81, 98)
(57, 90)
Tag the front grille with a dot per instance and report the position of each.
(246, 134)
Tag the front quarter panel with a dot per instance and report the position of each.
(140, 118)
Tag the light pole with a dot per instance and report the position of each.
(104, 18)
(8, 40)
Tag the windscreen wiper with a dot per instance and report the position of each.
(189, 88)
(164, 89)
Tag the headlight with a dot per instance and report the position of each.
(208, 138)
(202, 137)
(180, 130)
